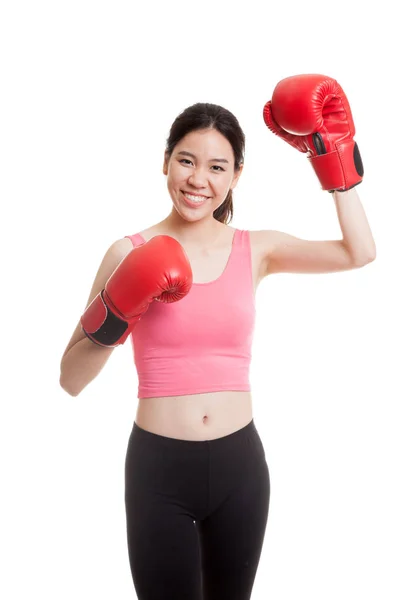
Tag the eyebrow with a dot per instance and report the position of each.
(221, 160)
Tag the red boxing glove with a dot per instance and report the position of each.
(312, 114)
(157, 270)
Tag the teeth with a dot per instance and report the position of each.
(195, 198)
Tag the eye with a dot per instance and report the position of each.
(189, 161)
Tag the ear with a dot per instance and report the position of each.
(236, 176)
(165, 165)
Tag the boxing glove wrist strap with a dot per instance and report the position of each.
(339, 170)
(103, 326)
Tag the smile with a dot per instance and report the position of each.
(194, 200)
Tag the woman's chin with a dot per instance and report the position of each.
(191, 215)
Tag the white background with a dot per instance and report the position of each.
(89, 92)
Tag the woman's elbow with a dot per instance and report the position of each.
(68, 388)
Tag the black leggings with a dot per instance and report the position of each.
(196, 514)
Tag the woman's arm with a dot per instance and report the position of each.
(357, 235)
(284, 253)
(83, 360)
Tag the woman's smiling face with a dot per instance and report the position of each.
(200, 172)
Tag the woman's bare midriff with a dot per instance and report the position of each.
(196, 417)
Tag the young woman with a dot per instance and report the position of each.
(197, 481)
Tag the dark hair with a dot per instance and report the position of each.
(203, 115)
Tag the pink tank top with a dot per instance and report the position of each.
(203, 342)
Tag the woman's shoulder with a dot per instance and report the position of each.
(260, 243)
(121, 246)
(255, 236)
(144, 234)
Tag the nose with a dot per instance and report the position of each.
(198, 178)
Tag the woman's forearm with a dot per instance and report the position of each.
(82, 363)
(357, 235)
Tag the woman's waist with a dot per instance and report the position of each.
(195, 416)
